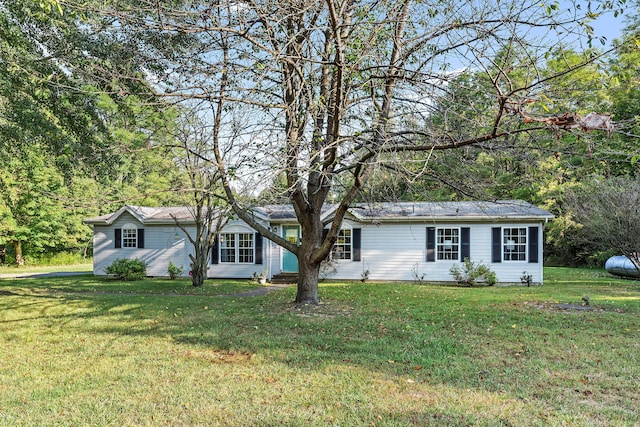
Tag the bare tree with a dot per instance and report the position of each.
(607, 213)
(325, 91)
(203, 198)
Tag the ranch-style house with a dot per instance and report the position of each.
(384, 241)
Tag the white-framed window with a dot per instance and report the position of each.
(245, 248)
(228, 247)
(514, 244)
(237, 248)
(342, 249)
(448, 243)
(129, 236)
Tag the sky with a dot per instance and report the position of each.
(610, 26)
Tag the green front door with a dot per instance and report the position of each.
(289, 261)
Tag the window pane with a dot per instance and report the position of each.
(245, 251)
(514, 244)
(448, 243)
(228, 247)
(342, 248)
(129, 238)
(237, 248)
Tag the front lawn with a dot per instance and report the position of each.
(85, 351)
(12, 270)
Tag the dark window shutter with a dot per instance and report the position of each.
(118, 239)
(496, 244)
(141, 237)
(465, 240)
(325, 232)
(431, 244)
(533, 244)
(356, 236)
(258, 248)
(214, 251)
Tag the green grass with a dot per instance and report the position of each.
(85, 351)
(76, 267)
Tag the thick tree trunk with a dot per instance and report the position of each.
(17, 248)
(308, 256)
(198, 275)
(308, 275)
(199, 265)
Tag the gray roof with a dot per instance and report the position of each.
(474, 210)
(147, 215)
(286, 212)
(378, 212)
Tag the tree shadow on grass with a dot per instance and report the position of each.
(269, 324)
(373, 332)
(58, 308)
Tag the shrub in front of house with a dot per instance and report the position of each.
(127, 269)
(174, 271)
(472, 274)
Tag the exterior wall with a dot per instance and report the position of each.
(162, 243)
(165, 243)
(398, 252)
(389, 251)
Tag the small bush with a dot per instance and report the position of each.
(526, 279)
(174, 271)
(364, 276)
(127, 269)
(418, 277)
(259, 278)
(472, 274)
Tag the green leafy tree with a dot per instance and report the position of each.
(72, 143)
(33, 218)
(41, 100)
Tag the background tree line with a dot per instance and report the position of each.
(80, 142)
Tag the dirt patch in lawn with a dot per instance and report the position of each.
(219, 356)
(569, 307)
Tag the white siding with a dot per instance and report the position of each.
(165, 243)
(162, 243)
(398, 252)
(389, 252)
